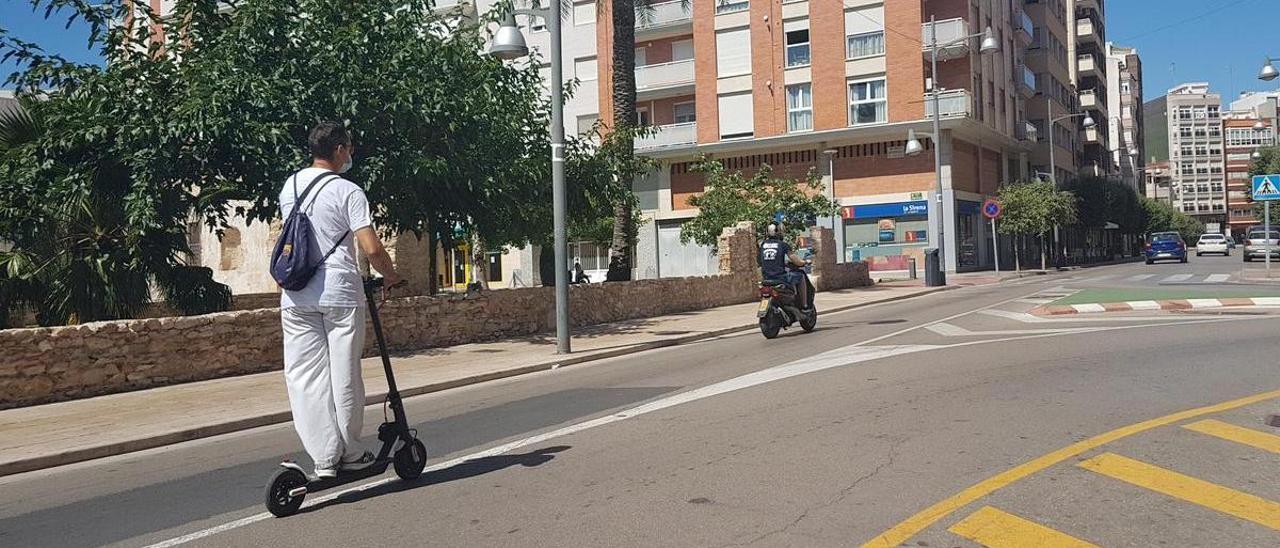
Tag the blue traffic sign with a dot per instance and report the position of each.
(1266, 187)
(991, 209)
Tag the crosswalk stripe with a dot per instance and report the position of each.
(1238, 434)
(1197, 491)
(1217, 278)
(1139, 277)
(1176, 278)
(998, 529)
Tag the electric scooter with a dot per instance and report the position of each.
(290, 484)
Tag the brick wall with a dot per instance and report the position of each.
(903, 61)
(705, 80)
(767, 78)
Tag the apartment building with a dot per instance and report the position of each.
(1196, 153)
(834, 87)
(1087, 49)
(1053, 67)
(1124, 102)
(1159, 181)
(1250, 124)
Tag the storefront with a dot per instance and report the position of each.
(886, 235)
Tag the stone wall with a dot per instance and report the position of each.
(827, 274)
(59, 363)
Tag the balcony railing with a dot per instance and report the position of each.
(1088, 98)
(1027, 85)
(665, 14)
(665, 75)
(953, 103)
(670, 135)
(1087, 63)
(1086, 29)
(952, 38)
(1023, 26)
(1026, 131)
(731, 6)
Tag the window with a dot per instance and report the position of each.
(800, 107)
(1125, 88)
(797, 42)
(584, 68)
(867, 102)
(737, 117)
(587, 123)
(584, 13)
(732, 6)
(682, 50)
(733, 52)
(643, 119)
(685, 113)
(864, 32)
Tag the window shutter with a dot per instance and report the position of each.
(733, 52)
(737, 118)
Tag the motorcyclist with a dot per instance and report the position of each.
(775, 256)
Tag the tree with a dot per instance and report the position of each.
(1034, 208)
(732, 197)
(1102, 200)
(1162, 217)
(1267, 163)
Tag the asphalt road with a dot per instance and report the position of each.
(936, 421)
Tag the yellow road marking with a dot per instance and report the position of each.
(997, 529)
(1238, 434)
(924, 518)
(1179, 486)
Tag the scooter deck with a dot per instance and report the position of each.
(316, 484)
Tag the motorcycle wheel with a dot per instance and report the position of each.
(810, 323)
(769, 325)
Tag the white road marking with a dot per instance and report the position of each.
(1099, 278)
(1139, 277)
(1144, 305)
(1217, 278)
(1266, 301)
(1088, 308)
(1176, 278)
(1204, 303)
(1035, 301)
(1030, 318)
(952, 330)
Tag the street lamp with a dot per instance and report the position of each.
(1268, 72)
(1087, 123)
(509, 44)
(913, 147)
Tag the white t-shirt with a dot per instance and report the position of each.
(339, 207)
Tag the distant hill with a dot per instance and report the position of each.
(1156, 130)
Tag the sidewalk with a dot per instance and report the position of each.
(50, 435)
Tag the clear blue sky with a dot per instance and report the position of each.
(1223, 42)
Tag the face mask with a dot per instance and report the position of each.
(345, 167)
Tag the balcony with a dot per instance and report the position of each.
(1087, 65)
(446, 6)
(1093, 136)
(669, 136)
(732, 6)
(673, 76)
(1088, 99)
(1023, 27)
(952, 38)
(1027, 84)
(1026, 131)
(952, 104)
(663, 18)
(1088, 32)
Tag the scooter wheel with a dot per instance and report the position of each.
(410, 460)
(810, 323)
(279, 503)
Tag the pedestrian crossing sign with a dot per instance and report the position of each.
(1266, 187)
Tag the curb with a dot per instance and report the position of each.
(207, 431)
(1169, 304)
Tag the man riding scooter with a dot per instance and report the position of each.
(775, 256)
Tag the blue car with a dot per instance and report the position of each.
(1165, 246)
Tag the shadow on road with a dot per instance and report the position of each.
(466, 470)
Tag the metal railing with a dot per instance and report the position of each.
(731, 6)
(669, 135)
(953, 103)
(663, 14)
(663, 75)
(948, 30)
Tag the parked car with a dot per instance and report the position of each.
(1258, 244)
(1165, 246)
(1212, 243)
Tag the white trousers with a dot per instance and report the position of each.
(322, 349)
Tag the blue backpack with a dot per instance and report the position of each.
(295, 258)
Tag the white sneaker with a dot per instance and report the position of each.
(326, 473)
(365, 460)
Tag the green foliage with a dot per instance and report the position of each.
(1034, 208)
(1268, 163)
(1102, 200)
(732, 197)
(1162, 217)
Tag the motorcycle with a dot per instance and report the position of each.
(779, 309)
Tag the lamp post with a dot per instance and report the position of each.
(913, 147)
(1053, 165)
(509, 44)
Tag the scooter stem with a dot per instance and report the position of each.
(393, 393)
